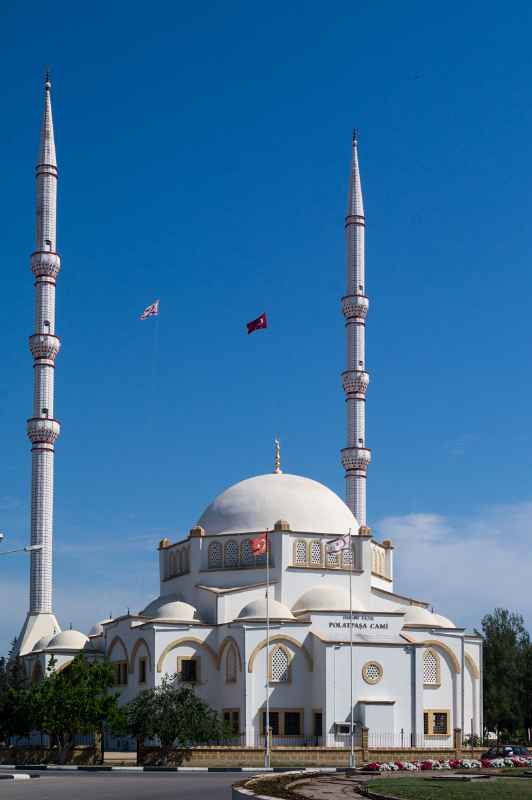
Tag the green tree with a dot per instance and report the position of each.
(506, 655)
(175, 715)
(15, 709)
(75, 700)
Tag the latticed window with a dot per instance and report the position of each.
(230, 665)
(246, 554)
(279, 665)
(231, 553)
(215, 555)
(372, 672)
(333, 559)
(300, 553)
(431, 668)
(348, 558)
(315, 553)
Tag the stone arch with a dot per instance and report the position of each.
(281, 637)
(433, 643)
(229, 640)
(117, 640)
(136, 647)
(66, 664)
(472, 666)
(191, 640)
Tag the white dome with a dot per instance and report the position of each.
(325, 598)
(68, 640)
(416, 615)
(257, 610)
(168, 607)
(96, 630)
(443, 622)
(256, 503)
(41, 643)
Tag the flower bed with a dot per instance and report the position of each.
(450, 763)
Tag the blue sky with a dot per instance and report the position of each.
(204, 156)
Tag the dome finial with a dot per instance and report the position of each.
(277, 465)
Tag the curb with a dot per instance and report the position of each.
(103, 768)
(19, 777)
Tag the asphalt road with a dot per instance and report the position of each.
(115, 785)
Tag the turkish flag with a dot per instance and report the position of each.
(257, 324)
(259, 544)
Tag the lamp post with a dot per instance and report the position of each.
(28, 549)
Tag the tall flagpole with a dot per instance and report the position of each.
(352, 733)
(267, 726)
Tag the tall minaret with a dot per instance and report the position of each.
(356, 456)
(43, 428)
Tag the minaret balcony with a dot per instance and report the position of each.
(355, 306)
(355, 382)
(356, 458)
(45, 264)
(42, 430)
(44, 345)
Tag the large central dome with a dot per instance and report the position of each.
(257, 503)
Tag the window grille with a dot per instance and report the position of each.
(315, 553)
(230, 665)
(431, 668)
(372, 672)
(279, 666)
(300, 552)
(246, 554)
(348, 558)
(333, 559)
(215, 555)
(231, 554)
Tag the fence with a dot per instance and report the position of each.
(392, 740)
(36, 739)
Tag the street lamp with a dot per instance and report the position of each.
(30, 548)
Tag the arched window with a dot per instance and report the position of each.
(230, 665)
(246, 554)
(431, 668)
(280, 665)
(315, 553)
(215, 555)
(300, 553)
(231, 553)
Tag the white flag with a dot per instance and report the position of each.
(336, 545)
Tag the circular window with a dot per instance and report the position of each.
(372, 672)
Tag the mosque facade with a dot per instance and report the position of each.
(327, 638)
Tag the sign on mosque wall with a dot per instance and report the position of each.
(364, 626)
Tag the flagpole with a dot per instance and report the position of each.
(352, 733)
(267, 725)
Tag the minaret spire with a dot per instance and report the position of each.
(356, 456)
(43, 428)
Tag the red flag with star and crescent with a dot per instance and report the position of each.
(257, 324)
(259, 544)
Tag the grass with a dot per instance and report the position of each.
(419, 789)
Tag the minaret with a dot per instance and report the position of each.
(43, 428)
(355, 379)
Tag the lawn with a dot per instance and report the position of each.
(420, 789)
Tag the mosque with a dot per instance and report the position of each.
(340, 640)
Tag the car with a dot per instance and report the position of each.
(506, 751)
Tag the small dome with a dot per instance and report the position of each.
(325, 598)
(254, 504)
(41, 643)
(168, 607)
(443, 622)
(68, 640)
(416, 615)
(256, 610)
(96, 630)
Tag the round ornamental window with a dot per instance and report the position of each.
(372, 672)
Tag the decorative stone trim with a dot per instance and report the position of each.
(372, 672)
(190, 640)
(356, 458)
(43, 430)
(44, 345)
(44, 264)
(280, 637)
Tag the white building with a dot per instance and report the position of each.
(414, 672)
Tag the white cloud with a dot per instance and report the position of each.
(465, 566)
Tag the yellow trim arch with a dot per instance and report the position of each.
(281, 637)
(455, 664)
(227, 641)
(473, 668)
(136, 647)
(186, 640)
